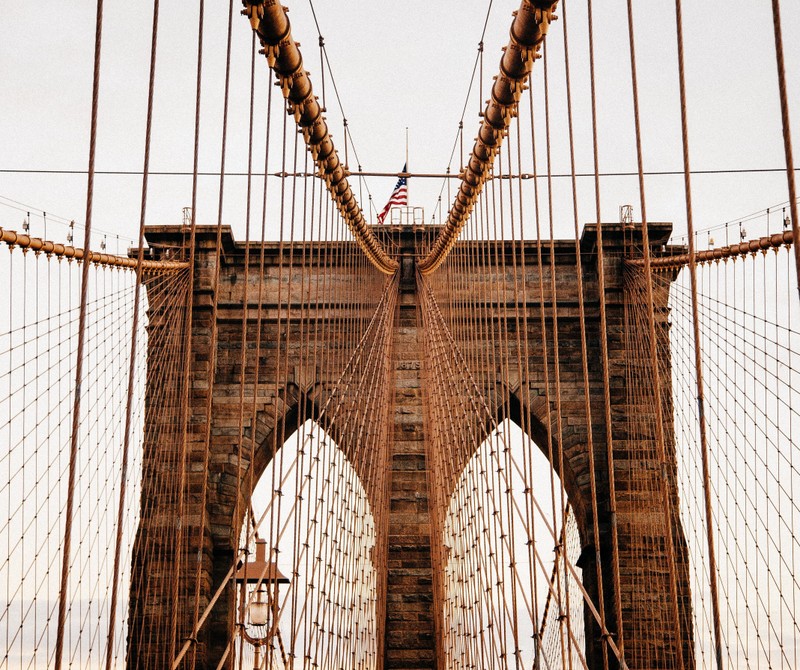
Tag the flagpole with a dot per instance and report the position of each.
(407, 201)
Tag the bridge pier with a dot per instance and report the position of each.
(410, 640)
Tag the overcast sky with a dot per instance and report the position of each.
(396, 65)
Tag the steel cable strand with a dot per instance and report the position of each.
(590, 447)
(270, 21)
(66, 547)
(523, 354)
(134, 338)
(657, 385)
(528, 30)
(559, 419)
(787, 137)
(245, 303)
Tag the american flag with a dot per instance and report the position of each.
(399, 197)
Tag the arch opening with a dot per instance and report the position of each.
(510, 547)
(313, 518)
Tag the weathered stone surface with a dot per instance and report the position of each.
(409, 608)
(409, 640)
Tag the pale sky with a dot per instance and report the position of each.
(396, 65)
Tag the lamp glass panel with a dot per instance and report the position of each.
(258, 612)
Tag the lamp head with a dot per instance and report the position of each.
(258, 611)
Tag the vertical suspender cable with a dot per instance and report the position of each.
(564, 619)
(209, 404)
(698, 356)
(132, 362)
(653, 345)
(584, 356)
(260, 300)
(601, 290)
(543, 331)
(76, 405)
(237, 515)
(787, 135)
(187, 354)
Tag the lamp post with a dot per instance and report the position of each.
(260, 613)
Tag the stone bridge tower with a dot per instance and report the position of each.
(408, 638)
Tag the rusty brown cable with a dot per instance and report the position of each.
(542, 318)
(275, 539)
(304, 415)
(523, 367)
(527, 34)
(270, 21)
(653, 352)
(601, 290)
(236, 531)
(787, 135)
(251, 480)
(698, 354)
(506, 390)
(66, 546)
(587, 402)
(732, 251)
(180, 556)
(206, 441)
(37, 244)
(134, 338)
(523, 353)
(277, 441)
(315, 209)
(564, 620)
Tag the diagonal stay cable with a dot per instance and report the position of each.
(272, 26)
(528, 30)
